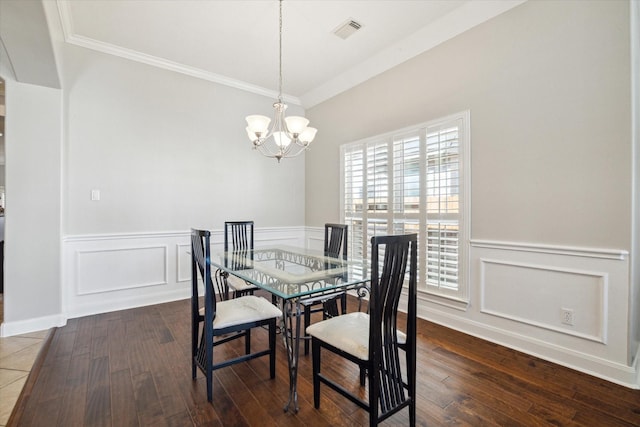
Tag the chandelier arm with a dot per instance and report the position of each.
(289, 153)
(266, 151)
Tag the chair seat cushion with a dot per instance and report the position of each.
(237, 284)
(241, 310)
(349, 333)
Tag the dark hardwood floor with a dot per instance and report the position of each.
(132, 367)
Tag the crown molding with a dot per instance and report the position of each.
(456, 22)
(71, 37)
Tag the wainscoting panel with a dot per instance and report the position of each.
(122, 268)
(539, 295)
(520, 295)
(183, 260)
(103, 273)
(517, 291)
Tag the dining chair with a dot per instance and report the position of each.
(373, 340)
(238, 236)
(335, 246)
(234, 318)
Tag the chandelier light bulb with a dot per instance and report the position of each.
(281, 139)
(258, 124)
(296, 124)
(307, 135)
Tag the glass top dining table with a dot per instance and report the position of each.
(291, 274)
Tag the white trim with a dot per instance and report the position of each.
(180, 276)
(614, 254)
(442, 300)
(636, 367)
(121, 236)
(162, 278)
(72, 38)
(604, 289)
(465, 115)
(634, 263)
(8, 329)
(105, 305)
(261, 234)
(456, 22)
(164, 281)
(596, 366)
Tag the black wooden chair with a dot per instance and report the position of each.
(234, 318)
(372, 340)
(238, 236)
(335, 245)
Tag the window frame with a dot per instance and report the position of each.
(461, 294)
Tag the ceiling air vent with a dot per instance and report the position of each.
(347, 29)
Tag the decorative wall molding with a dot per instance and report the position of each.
(551, 249)
(73, 38)
(107, 272)
(519, 291)
(591, 280)
(102, 268)
(446, 27)
(183, 261)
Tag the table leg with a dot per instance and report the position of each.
(291, 337)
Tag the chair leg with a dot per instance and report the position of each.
(272, 348)
(307, 322)
(194, 347)
(411, 382)
(343, 303)
(363, 375)
(412, 412)
(315, 350)
(247, 341)
(373, 398)
(208, 337)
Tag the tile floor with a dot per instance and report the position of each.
(17, 355)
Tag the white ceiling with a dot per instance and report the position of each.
(236, 42)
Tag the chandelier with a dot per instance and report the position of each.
(287, 136)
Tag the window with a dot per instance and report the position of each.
(413, 181)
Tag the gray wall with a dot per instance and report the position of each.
(548, 87)
(167, 152)
(32, 218)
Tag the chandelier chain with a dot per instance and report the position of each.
(280, 57)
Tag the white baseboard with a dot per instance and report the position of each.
(19, 327)
(617, 373)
